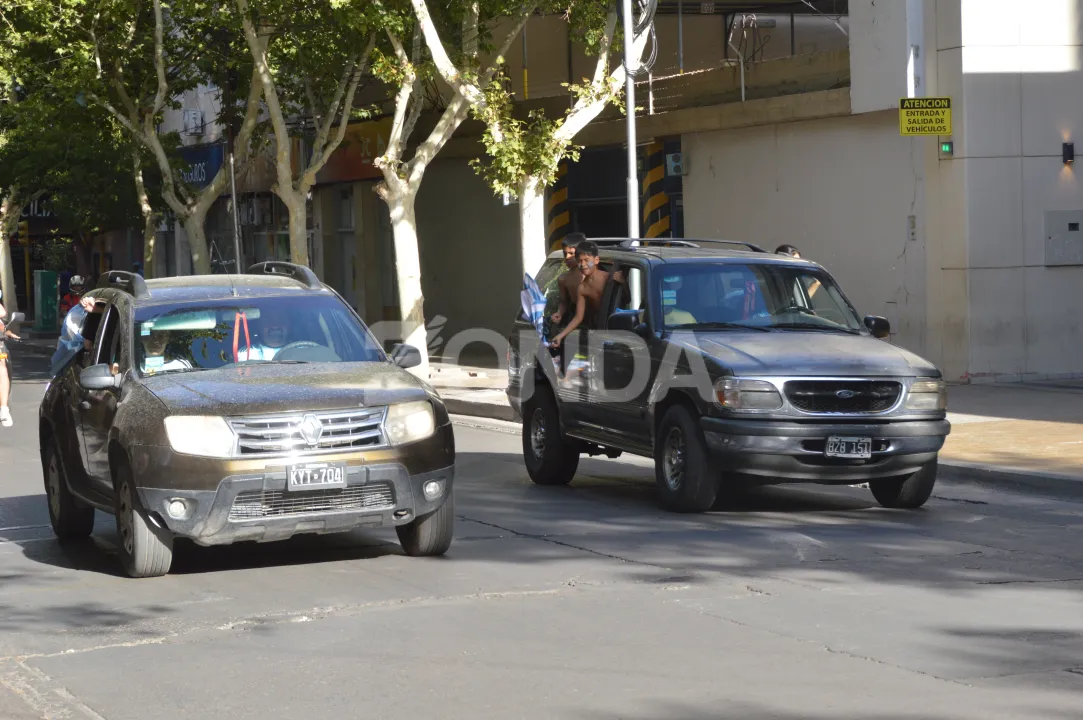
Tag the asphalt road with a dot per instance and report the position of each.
(582, 602)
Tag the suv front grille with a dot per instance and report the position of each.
(256, 504)
(843, 396)
(361, 428)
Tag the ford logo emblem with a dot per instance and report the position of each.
(844, 394)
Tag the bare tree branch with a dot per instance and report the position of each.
(159, 58)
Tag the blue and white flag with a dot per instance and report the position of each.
(534, 302)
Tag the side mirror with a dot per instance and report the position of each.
(99, 377)
(627, 321)
(405, 356)
(878, 326)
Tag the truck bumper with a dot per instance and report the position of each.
(770, 452)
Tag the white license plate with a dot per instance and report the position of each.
(849, 447)
(316, 476)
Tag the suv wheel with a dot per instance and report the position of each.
(686, 481)
(71, 520)
(907, 492)
(145, 549)
(550, 459)
(430, 534)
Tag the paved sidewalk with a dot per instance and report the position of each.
(1026, 437)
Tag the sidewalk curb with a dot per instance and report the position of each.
(1027, 482)
(489, 411)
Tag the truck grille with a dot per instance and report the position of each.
(361, 428)
(256, 504)
(843, 396)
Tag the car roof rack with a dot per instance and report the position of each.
(300, 273)
(125, 281)
(681, 242)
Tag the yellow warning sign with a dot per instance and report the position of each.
(925, 116)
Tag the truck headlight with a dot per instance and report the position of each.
(198, 435)
(739, 394)
(928, 396)
(409, 422)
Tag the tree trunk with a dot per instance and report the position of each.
(149, 220)
(297, 205)
(197, 241)
(150, 235)
(532, 230)
(10, 210)
(408, 271)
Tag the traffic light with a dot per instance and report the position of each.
(24, 232)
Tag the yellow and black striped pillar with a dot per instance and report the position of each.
(655, 201)
(557, 210)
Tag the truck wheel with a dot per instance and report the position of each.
(430, 534)
(550, 459)
(686, 481)
(907, 492)
(145, 549)
(71, 520)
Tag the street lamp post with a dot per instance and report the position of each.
(630, 102)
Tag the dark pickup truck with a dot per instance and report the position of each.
(728, 365)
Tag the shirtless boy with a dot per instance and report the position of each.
(589, 295)
(568, 283)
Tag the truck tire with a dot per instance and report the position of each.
(686, 481)
(146, 550)
(907, 492)
(71, 520)
(550, 458)
(430, 534)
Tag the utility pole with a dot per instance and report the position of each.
(230, 89)
(630, 101)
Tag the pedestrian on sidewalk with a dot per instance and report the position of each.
(76, 287)
(5, 368)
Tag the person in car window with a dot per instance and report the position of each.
(274, 334)
(569, 281)
(71, 339)
(812, 285)
(591, 288)
(156, 354)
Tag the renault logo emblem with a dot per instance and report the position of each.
(844, 394)
(311, 429)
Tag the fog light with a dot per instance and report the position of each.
(177, 509)
(432, 489)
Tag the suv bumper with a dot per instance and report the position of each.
(236, 500)
(781, 452)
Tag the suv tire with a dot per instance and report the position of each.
(429, 534)
(907, 492)
(686, 481)
(71, 520)
(550, 458)
(145, 549)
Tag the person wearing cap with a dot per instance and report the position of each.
(76, 286)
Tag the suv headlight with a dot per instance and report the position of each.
(198, 435)
(409, 422)
(739, 394)
(928, 395)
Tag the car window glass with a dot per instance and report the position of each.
(759, 294)
(206, 335)
(104, 346)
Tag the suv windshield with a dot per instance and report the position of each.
(763, 296)
(185, 337)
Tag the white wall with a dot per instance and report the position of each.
(840, 190)
(1019, 75)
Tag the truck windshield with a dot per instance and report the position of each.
(765, 296)
(186, 337)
